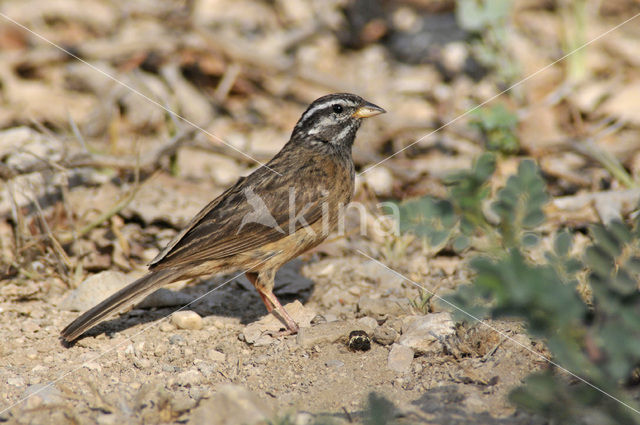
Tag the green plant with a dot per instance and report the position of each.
(488, 19)
(595, 337)
(498, 128)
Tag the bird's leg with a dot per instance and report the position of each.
(292, 326)
(253, 278)
(264, 285)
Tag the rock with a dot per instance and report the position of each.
(231, 405)
(334, 363)
(423, 333)
(216, 356)
(303, 418)
(380, 180)
(257, 332)
(47, 393)
(368, 323)
(164, 297)
(94, 289)
(325, 333)
(177, 339)
(191, 377)
(385, 335)
(166, 326)
(187, 320)
(381, 308)
(400, 358)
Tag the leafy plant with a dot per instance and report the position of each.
(595, 337)
(498, 127)
(488, 19)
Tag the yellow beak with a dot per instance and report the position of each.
(368, 110)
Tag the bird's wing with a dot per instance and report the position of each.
(234, 223)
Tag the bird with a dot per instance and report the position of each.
(282, 209)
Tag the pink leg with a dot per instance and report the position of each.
(271, 302)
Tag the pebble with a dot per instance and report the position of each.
(423, 333)
(187, 320)
(216, 356)
(94, 289)
(107, 419)
(369, 323)
(334, 363)
(303, 418)
(231, 404)
(400, 358)
(189, 377)
(176, 339)
(385, 335)
(166, 326)
(380, 180)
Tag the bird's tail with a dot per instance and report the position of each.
(123, 298)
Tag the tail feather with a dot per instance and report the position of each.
(118, 301)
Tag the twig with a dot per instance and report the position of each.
(57, 248)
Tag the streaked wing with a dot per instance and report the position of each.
(234, 222)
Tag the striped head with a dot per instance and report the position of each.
(333, 119)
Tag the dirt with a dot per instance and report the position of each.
(127, 366)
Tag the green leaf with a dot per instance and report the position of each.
(562, 243)
(606, 240)
(460, 243)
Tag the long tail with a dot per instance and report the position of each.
(118, 301)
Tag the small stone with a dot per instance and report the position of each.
(231, 404)
(33, 402)
(400, 358)
(187, 320)
(303, 418)
(166, 326)
(94, 289)
(216, 356)
(369, 323)
(423, 333)
(107, 419)
(142, 363)
(380, 180)
(176, 339)
(190, 377)
(385, 335)
(334, 363)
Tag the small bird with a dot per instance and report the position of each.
(265, 219)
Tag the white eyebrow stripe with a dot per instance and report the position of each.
(323, 105)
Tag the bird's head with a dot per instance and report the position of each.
(333, 119)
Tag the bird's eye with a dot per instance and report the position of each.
(337, 108)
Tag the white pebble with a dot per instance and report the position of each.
(187, 320)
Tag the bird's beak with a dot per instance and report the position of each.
(368, 110)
